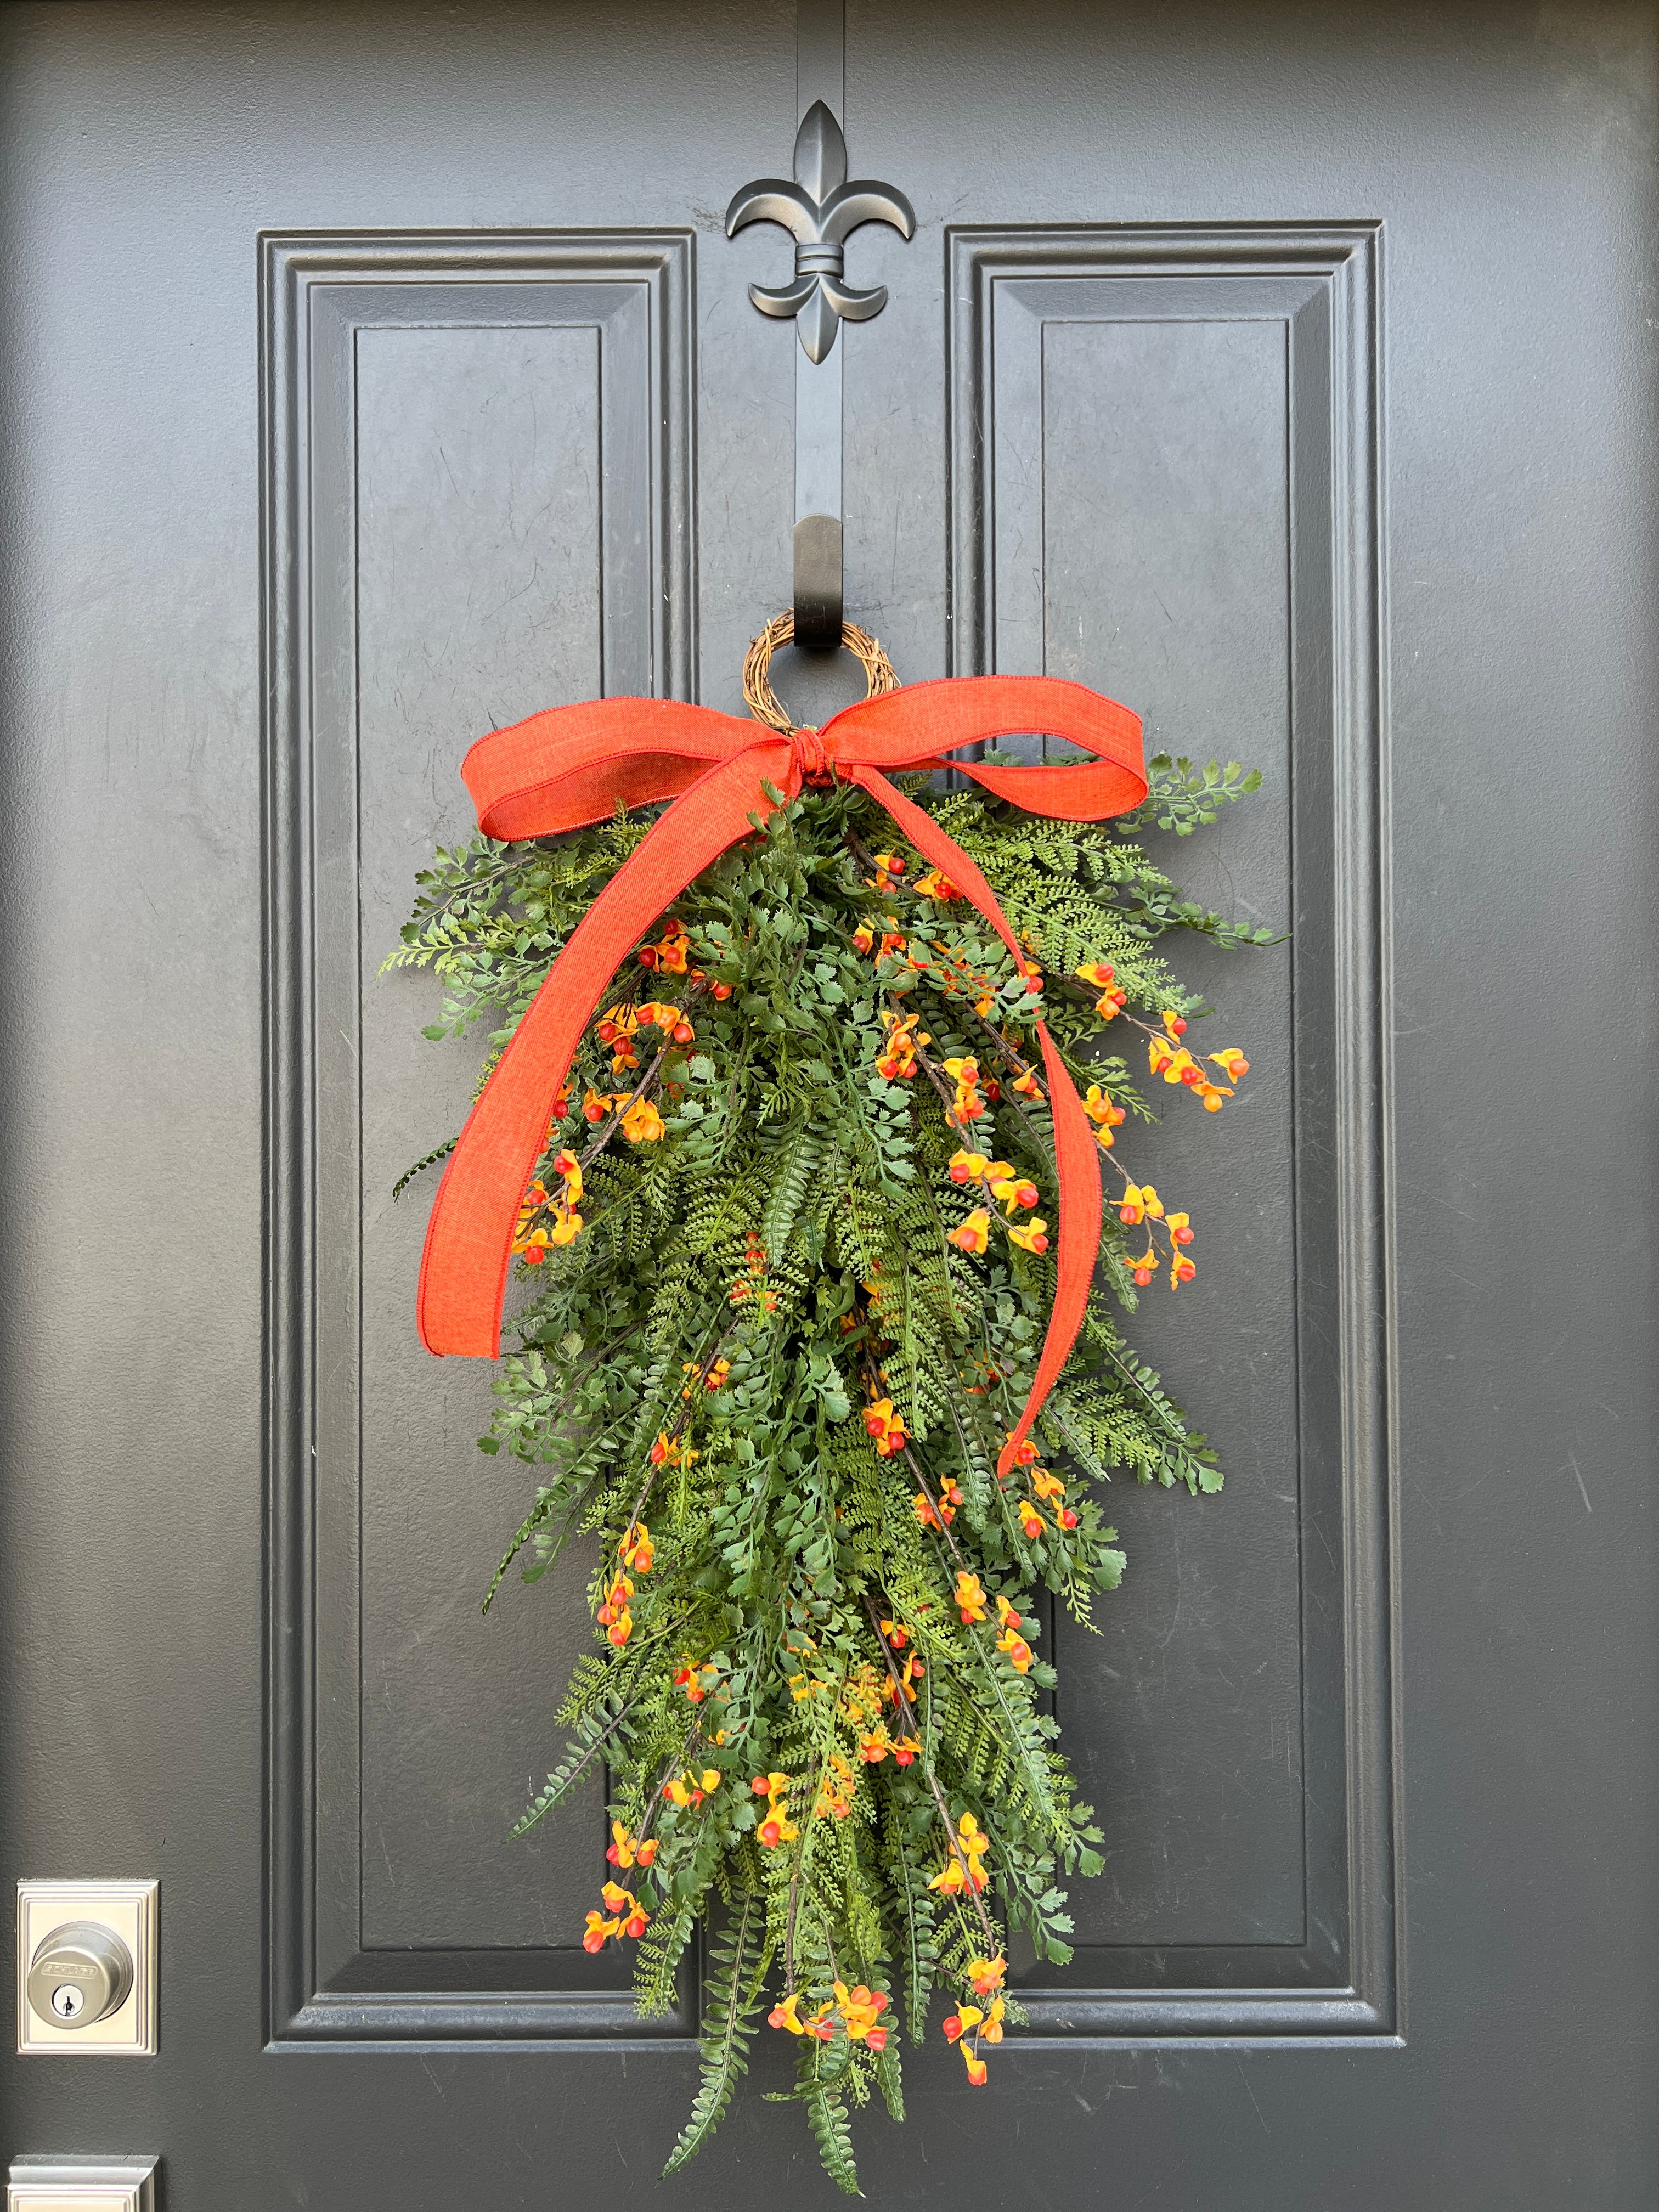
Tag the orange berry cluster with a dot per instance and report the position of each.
(1012, 1639)
(626, 1916)
(886, 1428)
(962, 1871)
(614, 1618)
(1140, 1205)
(970, 2024)
(949, 1497)
(669, 955)
(544, 1222)
(1047, 1490)
(777, 1827)
(968, 1105)
(971, 1599)
(871, 937)
(671, 1451)
(1101, 975)
(834, 1797)
(1168, 1057)
(1097, 1105)
(936, 885)
(711, 1380)
(696, 1681)
(896, 1061)
(858, 2009)
(627, 1850)
(750, 1287)
(1011, 1189)
(687, 1791)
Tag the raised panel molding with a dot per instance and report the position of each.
(607, 316)
(1320, 284)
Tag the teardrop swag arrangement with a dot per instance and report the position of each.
(799, 1343)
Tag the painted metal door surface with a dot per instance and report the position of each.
(375, 375)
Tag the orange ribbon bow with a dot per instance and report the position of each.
(574, 765)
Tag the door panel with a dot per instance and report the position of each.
(453, 429)
(373, 376)
(1165, 458)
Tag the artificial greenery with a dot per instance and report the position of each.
(785, 1273)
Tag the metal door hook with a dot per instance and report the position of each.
(819, 209)
(818, 582)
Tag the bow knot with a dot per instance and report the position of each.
(576, 764)
(809, 759)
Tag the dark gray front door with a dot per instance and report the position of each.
(374, 376)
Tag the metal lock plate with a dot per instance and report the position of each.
(86, 1967)
(82, 2184)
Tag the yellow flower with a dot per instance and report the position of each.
(1232, 1063)
(934, 885)
(635, 1551)
(886, 1427)
(1097, 1105)
(641, 1124)
(970, 1597)
(1013, 1191)
(1032, 1237)
(861, 2011)
(620, 1852)
(974, 1233)
(626, 1907)
(597, 1929)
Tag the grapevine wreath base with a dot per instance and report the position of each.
(790, 1286)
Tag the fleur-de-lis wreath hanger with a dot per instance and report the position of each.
(821, 209)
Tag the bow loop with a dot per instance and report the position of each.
(574, 765)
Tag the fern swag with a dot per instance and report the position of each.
(786, 1270)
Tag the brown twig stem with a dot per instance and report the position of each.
(904, 1715)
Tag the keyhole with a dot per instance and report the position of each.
(67, 2001)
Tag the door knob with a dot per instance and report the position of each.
(80, 1974)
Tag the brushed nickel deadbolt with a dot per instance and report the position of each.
(86, 1967)
(80, 1974)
